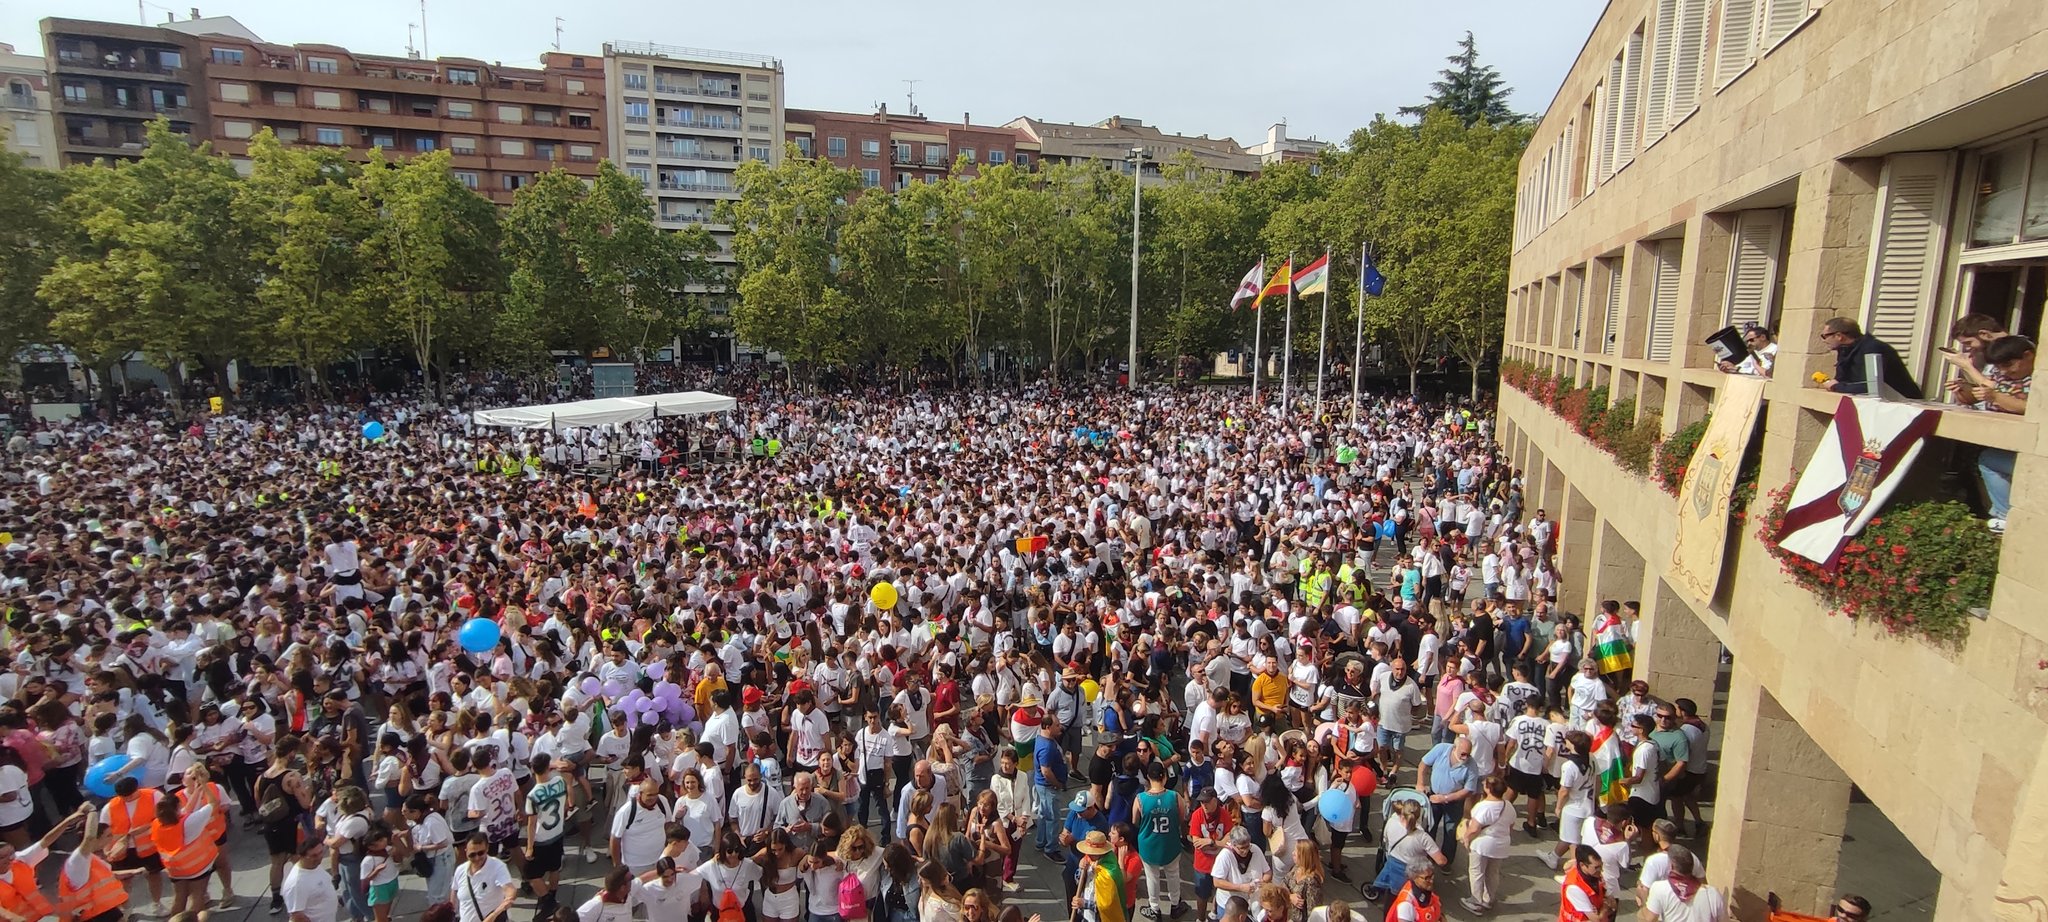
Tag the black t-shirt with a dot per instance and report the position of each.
(1101, 771)
(1479, 636)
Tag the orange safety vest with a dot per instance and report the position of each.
(102, 893)
(184, 860)
(19, 895)
(1565, 912)
(1431, 912)
(125, 817)
(218, 826)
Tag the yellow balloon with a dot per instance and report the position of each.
(1089, 690)
(883, 595)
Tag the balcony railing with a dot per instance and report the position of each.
(693, 155)
(19, 101)
(673, 186)
(72, 59)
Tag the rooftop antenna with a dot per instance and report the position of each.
(558, 33)
(912, 93)
(423, 30)
(410, 50)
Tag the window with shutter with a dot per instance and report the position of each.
(1579, 331)
(1630, 107)
(1664, 301)
(1906, 247)
(1610, 337)
(1657, 99)
(1610, 125)
(1753, 266)
(1780, 18)
(1737, 40)
(1571, 153)
(1596, 147)
(1688, 59)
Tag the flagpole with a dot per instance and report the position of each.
(1358, 336)
(1287, 344)
(1258, 327)
(1323, 337)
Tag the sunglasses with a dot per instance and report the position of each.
(1851, 915)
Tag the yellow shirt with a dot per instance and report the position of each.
(1269, 690)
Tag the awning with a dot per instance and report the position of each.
(606, 410)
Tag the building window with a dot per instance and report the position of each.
(462, 76)
(803, 146)
(74, 92)
(511, 115)
(636, 111)
(580, 120)
(512, 182)
(462, 145)
(1023, 159)
(967, 153)
(326, 99)
(322, 66)
(582, 153)
(467, 178)
(871, 178)
(512, 148)
(379, 106)
(903, 181)
(635, 81)
(287, 135)
(870, 149)
(834, 147)
(2011, 194)
(227, 56)
(996, 156)
(640, 173)
(759, 153)
(461, 110)
(543, 150)
(935, 155)
(572, 86)
(327, 136)
(930, 178)
(170, 60)
(902, 151)
(638, 152)
(423, 145)
(231, 129)
(383, 142)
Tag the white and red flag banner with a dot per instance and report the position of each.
(1853, 471)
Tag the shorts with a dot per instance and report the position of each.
(1389, 739)
(1684, 787)
(10, 827)
(202, 875)
(1205, 886)
(383, 894)
(152, 863)
(1525, 784)
(547, 859)
(281, 838)
(1644, 812)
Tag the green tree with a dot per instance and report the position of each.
(29, 240)
(1471, 91)
(645, 274)
(434, 276)
(308, 225)
(786, 228)
(551, 300)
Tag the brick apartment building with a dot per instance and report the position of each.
(220, 83)
(893, 150)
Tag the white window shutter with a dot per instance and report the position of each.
(1615, 281)
(1753, 266)
(1738, 39)
(1688, 58)
(1780, 18)
(1657, 101)
(1912, 212)
(1579, 330)
(1630, 109)
(1571, 153)
(1610, 123)
(1596, 149)
(1664, 301)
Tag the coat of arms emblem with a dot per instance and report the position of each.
(1862, 478)
(1704, 488)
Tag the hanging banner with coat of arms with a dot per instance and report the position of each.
(1853, 471)
(1709, 486)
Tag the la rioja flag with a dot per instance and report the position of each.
(1852, 473)
(1249, 288)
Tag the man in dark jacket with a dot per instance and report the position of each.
(1851, 345)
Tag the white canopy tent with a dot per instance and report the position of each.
(605, 411)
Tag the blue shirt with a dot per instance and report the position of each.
(1445, 778)
(1047, 752)
(1079, 827)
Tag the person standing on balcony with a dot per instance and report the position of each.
(1851, 346)
(1763, 352)
(2009, 362)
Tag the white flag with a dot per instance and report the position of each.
(1249, 288)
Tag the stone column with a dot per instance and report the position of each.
(1779, 810)
(1577, 524)
(1675, 651)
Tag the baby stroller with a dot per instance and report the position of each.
(1378, 889)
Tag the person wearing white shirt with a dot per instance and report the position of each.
(1683, 897)
(615, 901)
(639, 828)
(482, 885)
(672, 891)
(308, 892)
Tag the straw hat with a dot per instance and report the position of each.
(1097, 843)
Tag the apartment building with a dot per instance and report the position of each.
(682, 120)
(1110, 141)
(28, 127)
(893, 150)
(1784, 162)
(111, 80)
(504, 126)
(1279, 148)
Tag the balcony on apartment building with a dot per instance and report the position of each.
(19, 102)
(456, 83)
(691, 153)
(708, 91)
(134, 62)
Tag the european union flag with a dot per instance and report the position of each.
(1370, 277)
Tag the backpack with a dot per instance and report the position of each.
(853, 898)
(729, 908)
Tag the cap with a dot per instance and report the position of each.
(1081, 800)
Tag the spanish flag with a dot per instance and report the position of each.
(1282, 280)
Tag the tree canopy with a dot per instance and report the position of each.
(1471, 91)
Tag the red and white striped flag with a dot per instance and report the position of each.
(1249, 288)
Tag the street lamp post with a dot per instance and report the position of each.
(1137, 159)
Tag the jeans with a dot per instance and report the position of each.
(1162, 887)
(874, 789)
(352, 896)
(1445, 829)
(1994, 467)
(443, 875)
(1048, 816)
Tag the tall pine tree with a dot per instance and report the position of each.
(1471, 91)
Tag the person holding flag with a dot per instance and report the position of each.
(1100, 897)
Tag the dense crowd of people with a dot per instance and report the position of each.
(1202, 657)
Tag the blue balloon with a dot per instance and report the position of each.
(479, 635)
(1337, 805)
(1386, 528)
(373, 430)
(99, 778)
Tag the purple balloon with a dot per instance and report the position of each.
(696, 729)
(614, 688)
(632, 720)
(591, 686)
(688, 714)
(656, 670)
(667, 690)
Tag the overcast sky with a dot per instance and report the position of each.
(1194, 66)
